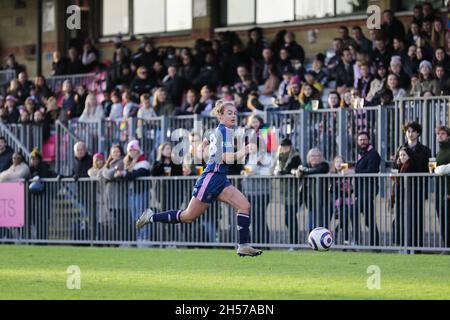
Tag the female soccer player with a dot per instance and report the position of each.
(213, 183)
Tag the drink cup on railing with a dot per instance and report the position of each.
(248, 170)
(167, 171)
(199, 170)
(432, 164)
(361, 103)
(344, 167)
(315, 105)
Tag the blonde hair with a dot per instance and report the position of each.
(158, 92)
(311, 152)
(219, 108)
(90, 104)
(13, 84)
(333, 166)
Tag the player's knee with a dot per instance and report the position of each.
(187, 218)
(245, 207)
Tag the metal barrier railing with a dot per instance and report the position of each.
(88, 79)
(430, 112)
(13, 141)
(30, 135)
(413, 214)
(5, 78)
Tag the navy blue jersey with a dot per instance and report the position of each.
(221, 141)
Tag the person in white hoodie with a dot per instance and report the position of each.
(18, 170)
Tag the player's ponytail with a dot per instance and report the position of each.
(220, 107)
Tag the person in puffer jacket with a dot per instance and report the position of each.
(135, 166)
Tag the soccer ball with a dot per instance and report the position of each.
(320, 239)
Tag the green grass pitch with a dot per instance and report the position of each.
(39, 272)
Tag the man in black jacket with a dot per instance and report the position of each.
(83, 161)
(287, 163)
(344, 71)
(173, 85)
(367, 188)
(392, 27)
(5, 155)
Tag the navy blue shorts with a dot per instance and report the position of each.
(209, 186)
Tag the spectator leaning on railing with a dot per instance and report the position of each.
(313, 190)
(17, 171)
(83, 160)
(38, 168)
(287, 162)
(135, 166)
(116, 203)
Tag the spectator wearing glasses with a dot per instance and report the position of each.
(143, 83)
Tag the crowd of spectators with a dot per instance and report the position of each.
(394, 61)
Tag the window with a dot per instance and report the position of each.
(240, 11)
(155, 16)
(313, 9)
(351, 6)
(115, 17)
(148, 16)
(274, 11)
(268, 11)
(179, 15)
(408, 5)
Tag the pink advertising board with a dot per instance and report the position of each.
(12, 204)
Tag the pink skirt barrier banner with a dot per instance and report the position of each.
(12, 204)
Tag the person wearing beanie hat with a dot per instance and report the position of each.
(427, 82)
(282, 94)
(396, 67)
(38, 168)
(135, 163)
(135, 166)
(425, 63)
(98, 163)
(133, 146)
